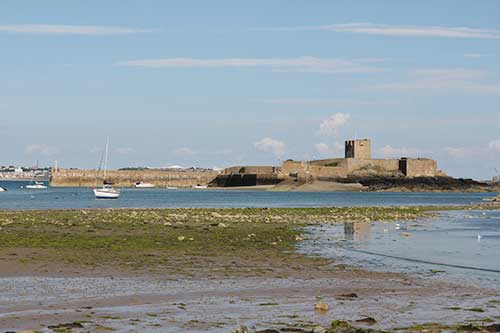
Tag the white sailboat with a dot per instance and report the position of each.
(143, 184)
(107, 191)
(3, 189)
(35, 185)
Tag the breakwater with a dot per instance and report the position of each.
(127, 178)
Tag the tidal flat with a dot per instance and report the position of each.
(214, 270)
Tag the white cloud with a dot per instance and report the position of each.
(442, 81)
(389, 151)
(124, 150)
(324, 149)
(400, 30)
(464, 152)
(331, 125)
(41, 149)
(300, 64)
(270, 145)
(54, 29)
(494, 145)
(184, 151)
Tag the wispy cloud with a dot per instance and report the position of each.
(270, 145)
(330, 126)
(325, 150)
(399, 30)
(184, 151)
(494, 145)
(443, 80)
(390, 151)
(300, 64)
(124, 150)
(54, 29)
(41, 149)
(474, 55)
(328, 102)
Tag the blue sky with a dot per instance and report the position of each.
(221, 83)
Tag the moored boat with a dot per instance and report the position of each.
(107, 191)
(3, 189)
(36, 186)
(142, 184)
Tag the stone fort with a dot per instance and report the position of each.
(359, 162)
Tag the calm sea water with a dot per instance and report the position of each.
(461, 245)
(65, 198)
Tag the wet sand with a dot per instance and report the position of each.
(160, 304)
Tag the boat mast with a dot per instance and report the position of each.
(106, 157)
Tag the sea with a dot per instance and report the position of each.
(19, 198)
(456, 245)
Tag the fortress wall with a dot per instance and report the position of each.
(354, 164)
(418, 167)
(339, 162)
(126, 178)
(251, 170)
(289, 167)
(305, 170)
(325, 171)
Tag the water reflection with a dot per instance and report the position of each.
(357, 231)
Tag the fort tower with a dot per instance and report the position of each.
(360, 149)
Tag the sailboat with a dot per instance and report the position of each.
(143, 184)
(107, 191)
(35, 185)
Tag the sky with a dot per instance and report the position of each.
(221, 83)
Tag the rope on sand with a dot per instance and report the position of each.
(427, 262)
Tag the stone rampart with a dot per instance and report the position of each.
(127, 178)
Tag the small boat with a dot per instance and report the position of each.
(3, 189)
(107, 191)
(36, 186)
(142, 184)
(200, 187)
(171, 188)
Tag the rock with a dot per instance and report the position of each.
(181, 238)
(367, 321)
(67, 326)
(351, 295)
(167, 223)
(321, 306)
(493, 328)
(318, 329)
(240, 329)
(221, 225)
